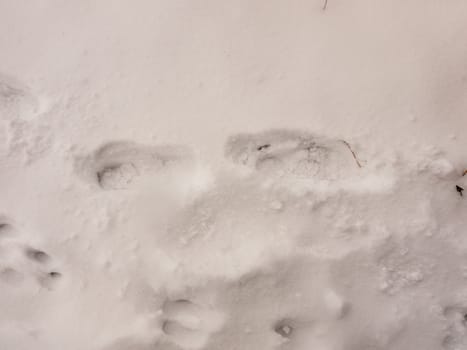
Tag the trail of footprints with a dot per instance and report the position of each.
(189, 326)
(119, 165)
(21, 264)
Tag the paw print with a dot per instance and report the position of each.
(189, 325)
(21, 263)
(291, 332)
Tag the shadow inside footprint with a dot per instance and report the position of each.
(117, 176)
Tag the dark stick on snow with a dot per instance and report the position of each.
(459, 189)
(353, 153)
(265, 146)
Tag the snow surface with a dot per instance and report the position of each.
(233, 175)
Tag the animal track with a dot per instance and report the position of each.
(291, 332)
(284, 328)
(21, 263)
(292, 152)
(189, 325)
(118, 165)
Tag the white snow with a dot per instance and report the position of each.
(220, 175)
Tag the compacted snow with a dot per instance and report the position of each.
(233, 175)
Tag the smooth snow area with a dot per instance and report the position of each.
(233, 175)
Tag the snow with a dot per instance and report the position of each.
(180, 175)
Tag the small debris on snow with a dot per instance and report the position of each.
(263, 147)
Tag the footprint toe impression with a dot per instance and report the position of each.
(292, 152)
(189, 325)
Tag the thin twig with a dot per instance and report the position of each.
(325, 5)
(353, 153)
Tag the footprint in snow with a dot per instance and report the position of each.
(294, 153)
(189, 325)
(119, 165)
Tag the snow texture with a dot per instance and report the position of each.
(249, 175)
